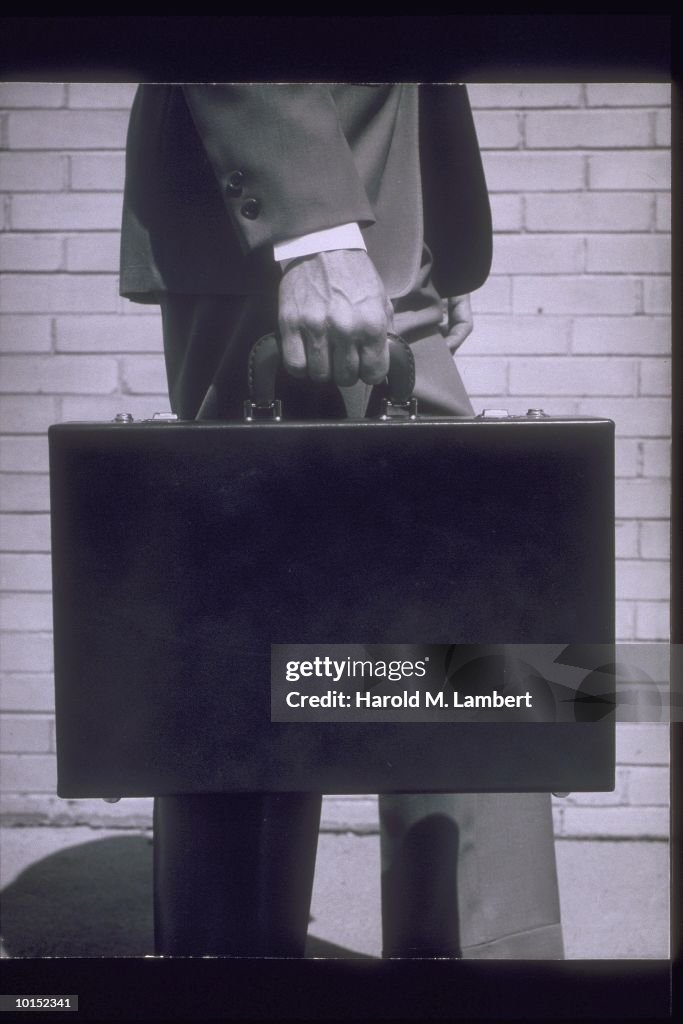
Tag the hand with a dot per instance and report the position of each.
(458, 310)
(333, 317)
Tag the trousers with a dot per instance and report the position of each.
(463, 875)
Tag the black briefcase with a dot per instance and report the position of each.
(182, 551)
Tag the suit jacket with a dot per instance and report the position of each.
(216, 173)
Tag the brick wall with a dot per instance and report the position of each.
(575, 315)
(574, 318)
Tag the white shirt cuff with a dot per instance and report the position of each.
(343, 236)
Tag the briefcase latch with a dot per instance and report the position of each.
(399, 410)
(262, 410)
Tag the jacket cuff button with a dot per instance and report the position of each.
(234, 183)
(251, 209)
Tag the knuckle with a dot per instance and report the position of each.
(342, 322)
(288, 321)
(375, 325)
(315, 325)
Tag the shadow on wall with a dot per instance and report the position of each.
(93, 900)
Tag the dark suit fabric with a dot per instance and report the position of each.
(462, 874)
(233, 873)
(312, 157)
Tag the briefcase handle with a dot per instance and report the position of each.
(265, 360)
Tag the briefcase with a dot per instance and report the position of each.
(188, 555)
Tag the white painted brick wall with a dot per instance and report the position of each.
(575, 316)
(657, 295)
(652, 620)
(588, 211)
(625, 94)
(655, 539)
(587, 129)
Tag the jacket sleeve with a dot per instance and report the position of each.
(280, 157)
(457, 213)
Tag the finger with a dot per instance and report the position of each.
(317, 356)
(293, 351)
(459, 310)
(457, 335)
(373, 346)
(374, 361)
(345, 363)
(389, 313)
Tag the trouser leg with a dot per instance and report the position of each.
(466, 874)
(470, 875)
(233, 873)
(419, 843)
